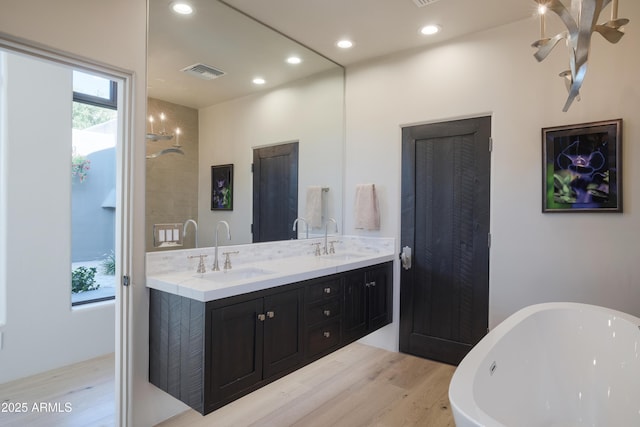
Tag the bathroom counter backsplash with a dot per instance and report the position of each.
(285, 262)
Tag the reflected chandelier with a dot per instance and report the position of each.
(580, 21)
(162, 135)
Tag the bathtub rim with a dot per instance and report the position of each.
(460, 386)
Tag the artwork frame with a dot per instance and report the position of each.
(582, 167)
(222, 187)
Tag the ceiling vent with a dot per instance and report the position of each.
(204, 72)
(422, 3)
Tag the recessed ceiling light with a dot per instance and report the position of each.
(344, 44)
(182, 8)
(294, 60)
(259, 81)
(428, 30)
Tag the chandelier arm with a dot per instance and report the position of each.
(612, 35)
(547, 45)
(559, 8)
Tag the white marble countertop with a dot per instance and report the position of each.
(259, 274)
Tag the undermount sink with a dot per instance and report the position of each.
(343, 256)
(234, 274)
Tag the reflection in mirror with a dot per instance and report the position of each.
(224, 118)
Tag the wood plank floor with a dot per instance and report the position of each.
(81, 395)
(356, 386)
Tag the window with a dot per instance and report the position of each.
(93, 194)
(94, 90)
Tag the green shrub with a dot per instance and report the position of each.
(109, 264)
(83, 279)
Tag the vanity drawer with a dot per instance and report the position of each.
(323, 310)
(323, 290)
(323, 337)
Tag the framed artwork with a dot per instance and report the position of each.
(581, 167)
(222, 187)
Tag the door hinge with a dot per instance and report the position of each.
(125, 280)
(489, 240)
(251, 228)
(490, 144)
(251, 167)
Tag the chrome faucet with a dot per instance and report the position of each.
(325, 251)
(195, 226)
(306, 225)
(201, 267)
(216, 267)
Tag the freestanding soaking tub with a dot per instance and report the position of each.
(554, 364)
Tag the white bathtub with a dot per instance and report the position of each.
(555, 364)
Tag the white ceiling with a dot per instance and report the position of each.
(228, 40)
(380, 27)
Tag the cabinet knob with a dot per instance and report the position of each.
(261, 317)
(327, 290)
(326, 334)
(327, 313)
(270, 314)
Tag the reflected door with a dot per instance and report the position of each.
(275, 192)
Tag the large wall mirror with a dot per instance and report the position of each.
(205, 111)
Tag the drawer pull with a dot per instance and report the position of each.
(261, 317)
(327, 313)
(327, 290)
(370, 284)
(327, 334)
(270, 314)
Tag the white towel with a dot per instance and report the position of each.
(314, 206)
(367, 214)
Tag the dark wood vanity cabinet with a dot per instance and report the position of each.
(368, 293)
(209, 354)
(252, 341)
(323, 316)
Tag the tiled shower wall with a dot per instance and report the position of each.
(172, 179)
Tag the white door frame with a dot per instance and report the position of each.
(124, 188)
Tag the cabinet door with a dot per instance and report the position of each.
(378, 284)
(354, 316)
(236, 348)
(283, 331)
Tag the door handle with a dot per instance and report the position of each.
(405, 257)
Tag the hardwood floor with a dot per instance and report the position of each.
(81, 395)
(356, 386)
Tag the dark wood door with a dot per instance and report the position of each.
(444, 296)
(275, 192)
(283, 348)
(236, 348)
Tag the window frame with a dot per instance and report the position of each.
(112, 104)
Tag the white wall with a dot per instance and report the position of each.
(535, 257)
(113, 33)
(310, 111)
(37, 274)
